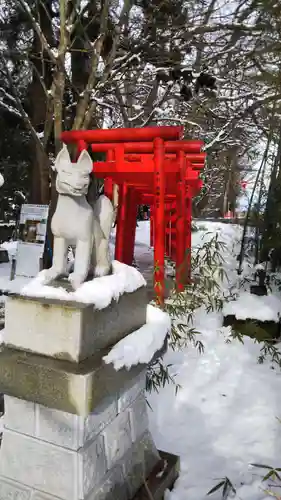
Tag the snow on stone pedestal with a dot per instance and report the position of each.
(73, 331)
(76, 426)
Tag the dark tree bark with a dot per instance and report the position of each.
(41, 80)
(271, 233)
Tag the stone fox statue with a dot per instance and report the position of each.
(76, 223)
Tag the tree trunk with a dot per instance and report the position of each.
(272, 216)
(40, 192)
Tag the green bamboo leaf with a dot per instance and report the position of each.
(225, 490)
(277, 475)
(271, 473)
(216, 488)
(262, 466)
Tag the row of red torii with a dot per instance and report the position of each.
(151, 166)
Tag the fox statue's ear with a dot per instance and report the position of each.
(85, 162)
(62, 158)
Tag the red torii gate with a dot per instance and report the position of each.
(152, 164)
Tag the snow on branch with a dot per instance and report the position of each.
(121, 103)
(220, 135)
(158, 104)
(100, 102)
(88, 113)
(10, 109)
(241, 27)
(45, 45)
(5, 94)
(181, 121)
(20, 107)
(247, 95)
(123, 63)
(86, 95)
(136, 117)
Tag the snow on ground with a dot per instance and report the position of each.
(222, 419)
(264, 308)
(224, 416)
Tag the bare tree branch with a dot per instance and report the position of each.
(38, 30)
(122, 106)
(20, 107)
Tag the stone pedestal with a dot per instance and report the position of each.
(73, 430)
(71, 330)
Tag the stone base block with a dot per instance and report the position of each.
(70, 330)
(52, 469)
(62, 385)
(114, 487)
(72, 479)
(125, 415)
(49, 454)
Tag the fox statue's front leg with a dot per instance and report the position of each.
(59, 260)
(81, 263)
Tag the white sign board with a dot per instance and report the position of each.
(32, 234)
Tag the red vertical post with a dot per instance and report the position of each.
(188, 232)
(151, 226)
(108, 183)
(120, 241)
(159, 220)
(173, 243)
(167, 240)
(180, 225)
(126, 225)
(131, 222)
(170, 231)
(81, 145)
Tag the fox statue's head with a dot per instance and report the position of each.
(73, 178)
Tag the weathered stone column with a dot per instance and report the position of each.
(75, 429)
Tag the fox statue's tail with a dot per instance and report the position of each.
(103, 220)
